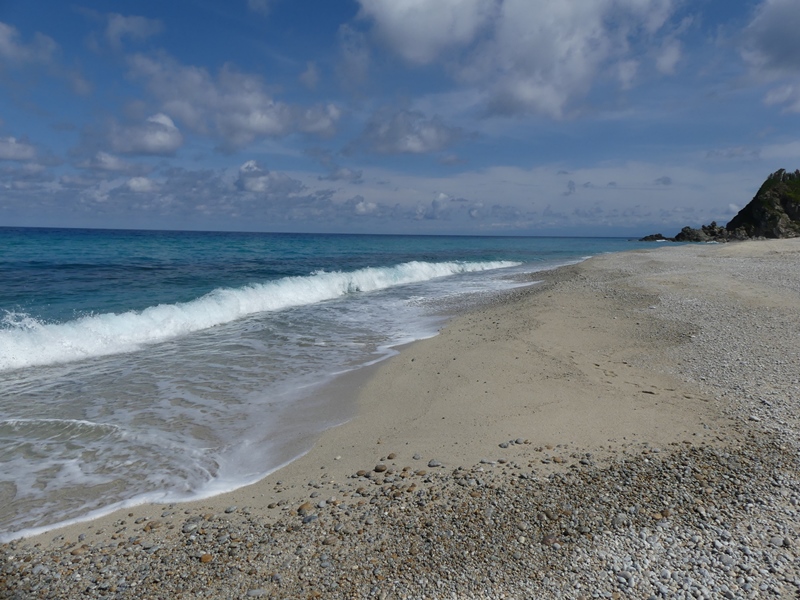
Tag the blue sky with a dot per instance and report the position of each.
(548, 117)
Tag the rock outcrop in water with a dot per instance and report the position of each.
(774, 212)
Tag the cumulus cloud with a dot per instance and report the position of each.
(13, 149)
(407, 132)
(119, 27)
(253, 178)
(532, 56)
(234, 106)
(158, 135)
(420, 31)
(14, 51)
(363, 207)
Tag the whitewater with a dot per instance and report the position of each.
(27, 341)
(168, 366)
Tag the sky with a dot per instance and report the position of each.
(491, 117)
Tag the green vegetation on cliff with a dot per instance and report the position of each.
(774, 212)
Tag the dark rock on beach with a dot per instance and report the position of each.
(656, 237)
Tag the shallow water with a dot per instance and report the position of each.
(164, 366)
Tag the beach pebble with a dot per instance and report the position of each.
(433, 463)
(706, 517)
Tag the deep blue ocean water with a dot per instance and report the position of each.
(163, 366)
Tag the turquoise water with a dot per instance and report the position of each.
(163, 366)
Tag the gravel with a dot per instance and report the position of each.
(680, 521)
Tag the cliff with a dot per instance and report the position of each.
(774, 212)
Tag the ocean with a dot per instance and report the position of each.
(158, 366)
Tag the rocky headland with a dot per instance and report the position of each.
(774, 212)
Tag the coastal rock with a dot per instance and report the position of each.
(656, 237)
(774, 212)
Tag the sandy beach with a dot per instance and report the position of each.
(626, 428)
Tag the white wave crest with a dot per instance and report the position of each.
(26, 342)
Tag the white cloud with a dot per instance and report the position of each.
(626, 71)
(252, 178)
(141, 184)
(319, 120)
(14, 149)
(310, 77)
(787, 95)
(363, 207)
(772, 42)
(234, 106)
(139, 28)
(407, 132)
(531, 56)
(157, 135)
(420, 30)
(668, 58)
(40, 50)
(771, 48)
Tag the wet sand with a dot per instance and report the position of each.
(610, 362)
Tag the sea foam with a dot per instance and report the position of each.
(26, 342)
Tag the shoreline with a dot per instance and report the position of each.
(339, 406)
(561, 382)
